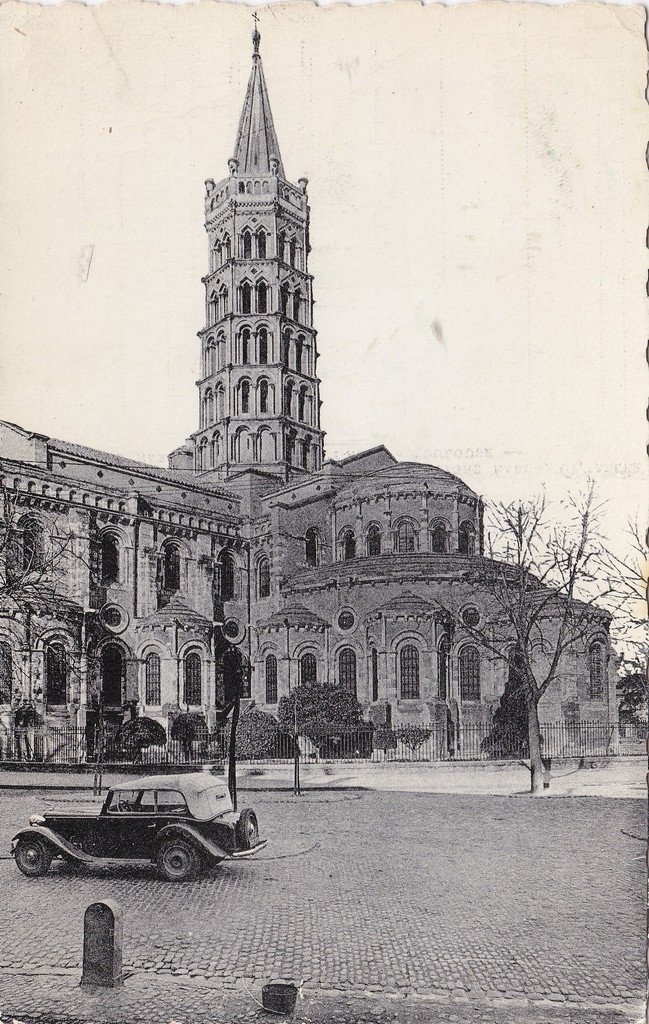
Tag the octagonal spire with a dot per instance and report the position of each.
(256, 139)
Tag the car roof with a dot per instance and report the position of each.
(190, 782)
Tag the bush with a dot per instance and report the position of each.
(320, 709)
(258, 735)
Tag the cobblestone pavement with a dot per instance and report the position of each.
(531, 910)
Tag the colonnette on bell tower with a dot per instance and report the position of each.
(258, 389)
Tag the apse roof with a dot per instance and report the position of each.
(405, 474)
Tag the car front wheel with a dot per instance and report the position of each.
(247, 830)
(33, 857)
(178, 860)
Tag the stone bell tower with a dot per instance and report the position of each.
(259, 401)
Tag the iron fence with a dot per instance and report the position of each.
(67, 745)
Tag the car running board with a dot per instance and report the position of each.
(249, 853)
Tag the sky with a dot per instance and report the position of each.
(478, 190)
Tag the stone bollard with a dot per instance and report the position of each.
(102, 945)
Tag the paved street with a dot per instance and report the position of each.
(530, 908)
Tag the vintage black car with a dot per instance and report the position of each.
(183, 823)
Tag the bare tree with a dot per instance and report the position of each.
(544, 578)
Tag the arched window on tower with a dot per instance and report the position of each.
(263, 578)
(290, 446)
(271, 679)
(246, 297)
(469, 674)
(226, 576)
(224, 301)
(262, 341)
(301, 403)
(373, 540)
(286, 348)
(312, 547)
(152, 695)
(245, 345)
(291, 252)
(284, 295)
(213, 308)
(596, 670)
(261, 244)
(306, 448)
(347, 670)
(263, 396)
(245, 396)
(348, 545)
(405, 539)
(246, 245)
(262, 297)
(227, 247)
(443, 656)
(288, 398)
(297, 304)
(109, 559)
(438, 539)
(280, 246)
(220, 402)
(466, 538)
(299, 346)
(409, 672)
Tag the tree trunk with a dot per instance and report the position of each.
(534, 737)
(232, 754)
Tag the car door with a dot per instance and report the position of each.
(139, 825)
(110, 828)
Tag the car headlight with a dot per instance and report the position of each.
(37, 819)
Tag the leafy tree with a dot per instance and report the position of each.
(413, 736)
(319, 709)
(258, 735)
(633, 691)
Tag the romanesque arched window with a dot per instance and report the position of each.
(438, 541)
(56, 673)
(312, 546)
(290, 446)
(171, 568)
(469, 674)
(33, 549)
(299, 345)
(374, 663)
(109, 559)
(596, 670)
(409, 672)
(227, 246)
(347, 670)
(261, 244)
(443, 656)
(271, 679)
(308, 670)
(213, 308)
(210, 358)
(152, 693)
(466, 538)
(245, 396)
(226, 576)
(291, 252)
(215, 446)
(297, 304)
(263, 396)
(348, 544)
(288, 398)
(203, 450)
(301, 403)
(6, 673)
(280, 246)
(220, 402)
(304, 455)
(245, 345)
(284, 295)
(192, 689)
(405, 539)
(246, 245)
(224, 300)
(373, 540)
(113, 675)
(263, 578)
(262, 342)
(262, 297)
(246, 297)
(285, 348)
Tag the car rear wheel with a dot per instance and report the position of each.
(178, 860)
(247, 830)
(33, 856)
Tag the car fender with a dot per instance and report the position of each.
(187, 832)
(59, 844)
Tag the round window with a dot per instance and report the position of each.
(345, 620)
(231, 629)
(471, 616)
(114, 618)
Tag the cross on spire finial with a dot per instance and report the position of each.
(256, 37)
